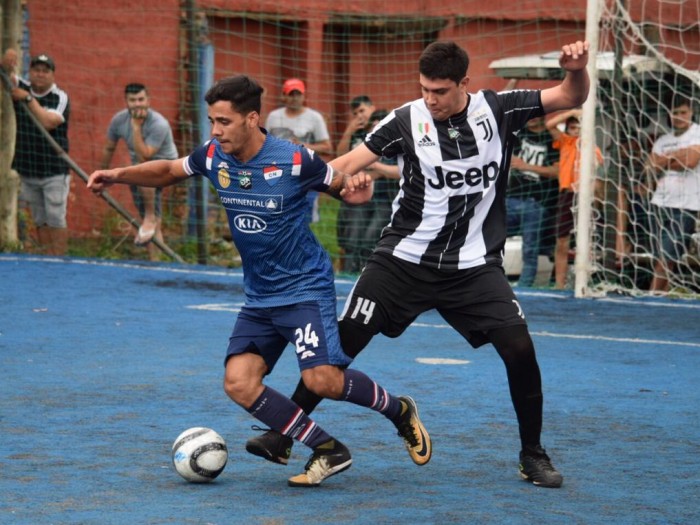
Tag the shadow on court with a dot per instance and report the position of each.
(105, 363)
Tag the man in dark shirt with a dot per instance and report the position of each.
(532, 192)
(45, 176)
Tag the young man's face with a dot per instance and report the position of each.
(294, 100)
(443, 97)
(681, 118)
(138, 103)
(573, 129)
(362, 114)
(232, 129)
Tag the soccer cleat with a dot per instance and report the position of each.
(323, 463)
(413, 432)
(536, 467)
(271, 446)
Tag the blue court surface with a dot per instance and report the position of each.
(105, 363)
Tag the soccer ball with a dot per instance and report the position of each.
(199, 454)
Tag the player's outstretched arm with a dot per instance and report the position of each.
(573, 90)
(155, 173)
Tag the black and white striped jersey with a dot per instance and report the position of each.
(450, 210)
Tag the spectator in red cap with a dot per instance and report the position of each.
(301, 125)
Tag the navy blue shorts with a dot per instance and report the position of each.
(391, 293)
(312, 327)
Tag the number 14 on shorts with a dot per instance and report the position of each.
(364, 307)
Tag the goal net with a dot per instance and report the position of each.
(652, 54)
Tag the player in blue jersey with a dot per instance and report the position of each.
(262, 183)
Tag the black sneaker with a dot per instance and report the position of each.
(271, 446)
(536, 467)
(413, 432)
(325, 461)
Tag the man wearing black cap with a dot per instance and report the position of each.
(45, 175)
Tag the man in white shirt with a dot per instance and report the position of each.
(301, 125)
(675, 161)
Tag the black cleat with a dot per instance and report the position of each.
(536, 467)
(323, 463)
(271, 446)
(413, 432)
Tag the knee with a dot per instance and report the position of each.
(325, 381)
(241, 388)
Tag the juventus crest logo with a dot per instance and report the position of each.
(486, 127)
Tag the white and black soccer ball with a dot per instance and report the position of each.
(199, 454)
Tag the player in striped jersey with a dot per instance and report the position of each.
(262, 183)
(443, 247)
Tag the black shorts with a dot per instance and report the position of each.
(390, 293)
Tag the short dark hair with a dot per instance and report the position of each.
(444, 60)
(241, 91)
(680, 99)
(378, 115)
(133, 88)
(359, 100)
(571, 120)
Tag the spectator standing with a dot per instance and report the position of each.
(532, 192)
(675, 161)
(567, 142)
(148, 136)
(45, 175)
(352, 221)
(301, 125)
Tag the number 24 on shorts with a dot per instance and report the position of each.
(306, 338)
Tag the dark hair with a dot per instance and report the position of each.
(378, 115)
(571, 120)
(359, 100)
(133, 88)
(444, 60)
(680, 99)
(241, 91)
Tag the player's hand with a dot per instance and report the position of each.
(358, 188)
(100, 180)
(574, 57)
(517, 162)
(138, 115)
(9, 60)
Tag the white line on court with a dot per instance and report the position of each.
(589, 337)
(235, 307)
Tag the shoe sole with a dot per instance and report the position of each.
(422, 456)
(332, 472)
(263, 453)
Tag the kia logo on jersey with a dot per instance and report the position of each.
(246, 223)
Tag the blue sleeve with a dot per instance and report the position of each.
(196, 163)
(315, 173)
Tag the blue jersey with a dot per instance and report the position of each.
(265, 201)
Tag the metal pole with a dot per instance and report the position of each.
(582, 264)
(193, 77)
